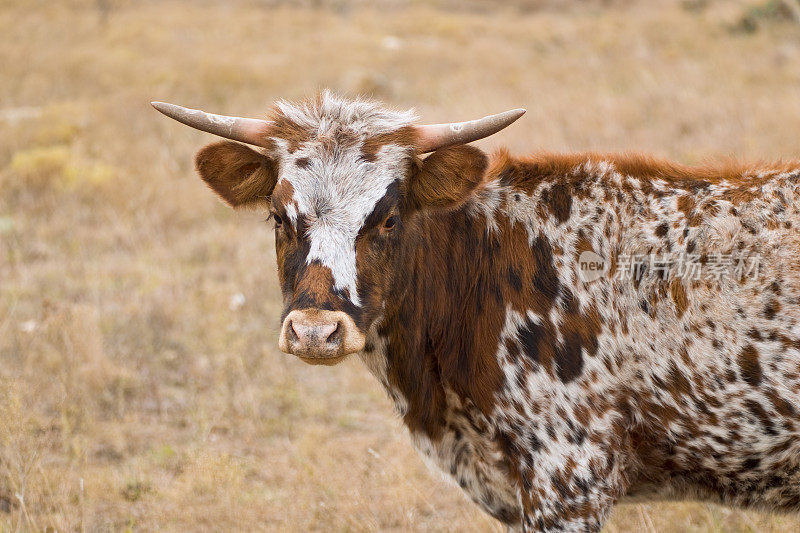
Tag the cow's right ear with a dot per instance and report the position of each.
(238, 174)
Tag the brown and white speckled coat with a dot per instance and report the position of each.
(546, 398)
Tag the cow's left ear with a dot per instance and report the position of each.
(447, 177)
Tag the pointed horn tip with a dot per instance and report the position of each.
(161, 107)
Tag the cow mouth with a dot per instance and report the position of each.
(325, 360)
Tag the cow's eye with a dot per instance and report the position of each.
(389, 223)
(278, 220)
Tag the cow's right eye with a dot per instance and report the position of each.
(278, 220)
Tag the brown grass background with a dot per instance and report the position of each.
(141, 387)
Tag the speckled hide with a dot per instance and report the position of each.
(674, 372)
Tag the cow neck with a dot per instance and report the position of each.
(441, 325)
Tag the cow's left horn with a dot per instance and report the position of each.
(246, 130)
(434, 136)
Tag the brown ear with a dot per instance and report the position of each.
(238, 174)
(447, 177)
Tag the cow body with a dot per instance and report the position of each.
(547, 395)
(662, 386)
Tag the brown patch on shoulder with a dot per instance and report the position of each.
(679, 297)
(684, 352)
(584, 244)
(677, 380)
(580, 332)
(787, 342)
(781, 405)
(691, 210)
(558, 201)
(772, 309)
(561, 350)
(686, 205)
(749, 365)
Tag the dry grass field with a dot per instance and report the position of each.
(141, 387)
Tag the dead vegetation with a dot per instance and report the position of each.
(140, 383)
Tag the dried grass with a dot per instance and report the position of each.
(140, 383)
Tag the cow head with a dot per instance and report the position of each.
(341, 180)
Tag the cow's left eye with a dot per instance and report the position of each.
(389, 223)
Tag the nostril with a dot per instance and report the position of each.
(292, 334)
(336, 336)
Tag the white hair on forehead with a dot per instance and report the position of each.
(331, 112)
(337, 188)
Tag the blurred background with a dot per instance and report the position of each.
(141, 387)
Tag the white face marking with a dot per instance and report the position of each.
(338, 188)
(291, 214)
